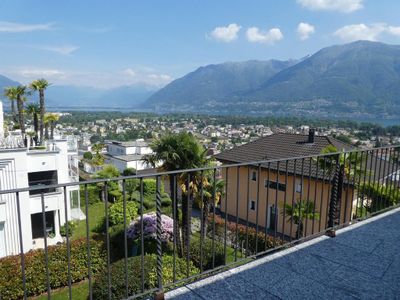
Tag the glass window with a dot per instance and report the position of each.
(299, 186)
(254, 175)
(252, 205)
(275, 186)
(42, 179)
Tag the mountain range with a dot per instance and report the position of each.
(359, 79)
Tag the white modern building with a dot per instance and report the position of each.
(125, 155)
(22, 167)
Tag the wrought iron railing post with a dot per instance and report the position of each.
(334, 197)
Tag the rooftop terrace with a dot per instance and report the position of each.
(361, 262)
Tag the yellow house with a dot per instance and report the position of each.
(258, 193)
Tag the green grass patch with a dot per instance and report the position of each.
(96, 215)
(80, 291)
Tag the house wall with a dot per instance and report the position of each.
(248, 191)
(15, 164)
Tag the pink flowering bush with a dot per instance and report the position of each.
(150, 227)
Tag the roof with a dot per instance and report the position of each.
(129, 143)
(127, 158)
(288, 146)
(280, 145)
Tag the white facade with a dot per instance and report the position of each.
(125, 155)
(21, 168)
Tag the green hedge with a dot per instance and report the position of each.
(100, 290)
(208, 250)
(35, 270)
(116, 212)
(93, 194)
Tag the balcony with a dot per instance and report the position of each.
(361, 262)
(262, 229)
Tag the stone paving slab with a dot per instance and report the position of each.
(362, 262)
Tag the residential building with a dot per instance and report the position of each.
(274, 185)
(125, 155)
(22, 167)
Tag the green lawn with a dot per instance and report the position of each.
(80, 291)
(96, 214)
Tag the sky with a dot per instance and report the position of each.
(106, 44)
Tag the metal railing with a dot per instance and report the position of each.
(191, 223)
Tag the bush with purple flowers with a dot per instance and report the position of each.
(150, 227)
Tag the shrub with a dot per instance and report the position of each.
(117, 242)
(116, 212)
(93, 193)
(114, 196)
(71, 227)
(150, 187)
(10, 271)
(88, 155)
(149, 203)
(165, 200)
(195, 253)
(117, 272)
(150, 227)
(250, 234)
(129, 171)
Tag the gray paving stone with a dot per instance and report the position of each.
(350, 257)
(311, 266)
(296, 286)
(182, 293)
(362, 262)
(359, 240)
(229, 287)
(360, 285)
(388, 249)
(392, 274)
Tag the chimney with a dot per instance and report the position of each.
(311, 135)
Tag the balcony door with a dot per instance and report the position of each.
(2, 240)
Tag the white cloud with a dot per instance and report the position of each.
(129, 72)
(19, 27)
(362, 31)
(65, 50)
(304, 30)
(345, 6)
(226, 34)
(395, 30)
(33, 73)
(254, 35)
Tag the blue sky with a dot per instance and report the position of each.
(110, 43)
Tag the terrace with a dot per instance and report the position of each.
(361, 262)
(240, 246)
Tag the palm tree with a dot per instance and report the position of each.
(50, 120)
(9, 92)
(33, 110)
(98, 158)
(178, 152)
(41, 85)
(208, 196)
(19, 92)
(298, 212)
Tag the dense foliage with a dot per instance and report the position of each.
(10, 271)
(116, 212)
(100, 287)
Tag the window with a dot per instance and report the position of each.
(299, 186)
(252, 205)
(254, 175)
(42, 179)
(37, 224)
(275, 185)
